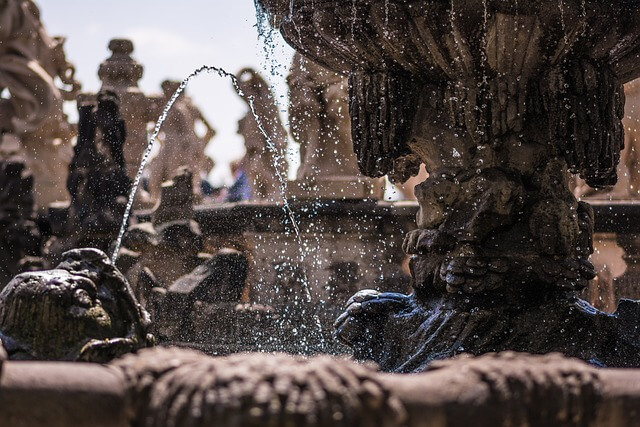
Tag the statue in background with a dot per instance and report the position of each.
(259, 162)
(30, 60)
(181, 144)
(19, 234)
(120, 74)
(97, 183)
(319, 117)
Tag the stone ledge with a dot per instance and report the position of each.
(495, 389)
(57, 394)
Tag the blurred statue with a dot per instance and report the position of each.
(97, 182)
(120, 74)
(181, 144)
(259, 162)
(19, 234)
(319, 117)
(30, 60)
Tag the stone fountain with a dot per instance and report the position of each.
(501, 101)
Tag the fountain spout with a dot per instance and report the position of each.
(500, 105)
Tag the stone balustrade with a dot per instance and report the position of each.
(166, 387)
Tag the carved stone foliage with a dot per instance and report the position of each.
(499, 102)
(82, 310)
(168, 387)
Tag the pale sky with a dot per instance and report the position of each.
(171, 39)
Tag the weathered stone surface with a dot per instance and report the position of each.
(506, 389)
(3, 357)
(168, 247)
(32, 108)
(407, 333)
(28, 68)
(168, 387)
(82, 310)
(120, 74)
(51, 394)
(176, 197)
(220, 279)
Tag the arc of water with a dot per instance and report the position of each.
(270, 144)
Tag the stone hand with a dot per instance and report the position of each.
(356, 323)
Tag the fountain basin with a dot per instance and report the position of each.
(499, 100)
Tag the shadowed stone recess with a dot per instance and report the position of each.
(175, 387)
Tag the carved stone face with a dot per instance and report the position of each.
(83, 310)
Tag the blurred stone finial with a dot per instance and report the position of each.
(120, 69)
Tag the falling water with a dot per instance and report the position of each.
(386, 18)
(145, 158)
(293, 22)
(584, 17)
(483, 43)
(564, 29)
(354, 16)
(277, 159)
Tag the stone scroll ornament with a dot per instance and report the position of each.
(83, 310)
(500, 100)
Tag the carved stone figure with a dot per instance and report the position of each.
(180, 144)
(167, 248)
(97, 183)
(218, 283)
(26, 47)
(255, 390)
(19, 235)
(263, 155)
(318, 114)
(82, 310)
(498, 105)
(31, 60)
